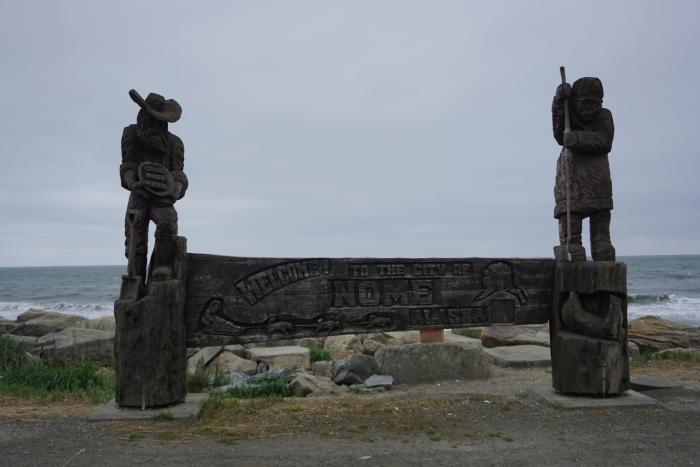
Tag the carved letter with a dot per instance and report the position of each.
(344, 293)
(368, 293)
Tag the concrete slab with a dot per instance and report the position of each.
(647, 383)
(187, 411)
(629, 398)
(290, 357)
(515, 356)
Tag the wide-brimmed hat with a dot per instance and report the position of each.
(158, 107)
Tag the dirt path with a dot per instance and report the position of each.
(491, 422)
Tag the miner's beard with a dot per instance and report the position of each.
(152, 134)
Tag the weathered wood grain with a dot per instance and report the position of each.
(239, 300)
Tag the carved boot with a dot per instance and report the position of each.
(163, 259)
(601, 247)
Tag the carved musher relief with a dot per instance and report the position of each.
(237, 300)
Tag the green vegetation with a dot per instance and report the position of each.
(264, 387)
(674, 354)
(319, 354)
(23, 376)
(202, 380)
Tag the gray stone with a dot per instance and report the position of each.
(236, 380)
(370, 346)
(402, 337)
(304, 384)
(354, 369)
(76, 345)
(503, 335)
(261, 368)
(343, 343)
(422, 363)
(45, 323)
(202, 358)
(654, 334)
(363, 389)
(292, 357)
(236, 349)
(106, 323)
(7, 326)
(474, 333)
(28, 341)
(646, 383)
(633, 350)
(227, 362)
(321, 368)
(449, 337)
(628, 398)
(520, 356)
(35, 313)
(379, 381)
(279, 373)
(189, 410)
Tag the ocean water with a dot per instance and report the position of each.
(666, 286)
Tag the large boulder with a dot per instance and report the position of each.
(652, 334)
(106, 323)
(304, 384)
(39, 323)
(28, 341)
(343, 343)
(402, 337)
(76, 345)
(228, 362)
(424, 363)
(354, 369)
(370, 346)
(321, 368)
(6, 326)
(202, 358)
(503, 335)
(291, 357)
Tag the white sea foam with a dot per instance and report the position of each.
(11, 310)
(672, 307)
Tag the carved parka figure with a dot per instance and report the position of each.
(152, 169)
(590, 187)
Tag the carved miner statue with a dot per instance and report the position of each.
(583, 186)
(152, 164)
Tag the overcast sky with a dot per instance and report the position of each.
(357, 128)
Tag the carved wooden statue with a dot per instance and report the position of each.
(152, 169)
(589, 322)
(149, 344)
(583, 186)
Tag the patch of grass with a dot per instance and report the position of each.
(135, 436)
(167, 435)
(24, 377)
(202, 379)
(319, 354)
(12, 354)
(265, 387)
(197, 381)
(680, 355)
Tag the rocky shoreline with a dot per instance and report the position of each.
(360, 363)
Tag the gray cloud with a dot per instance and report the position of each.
(343, 129)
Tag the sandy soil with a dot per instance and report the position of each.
(490, 422)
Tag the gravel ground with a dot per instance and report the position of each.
(490, 422)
